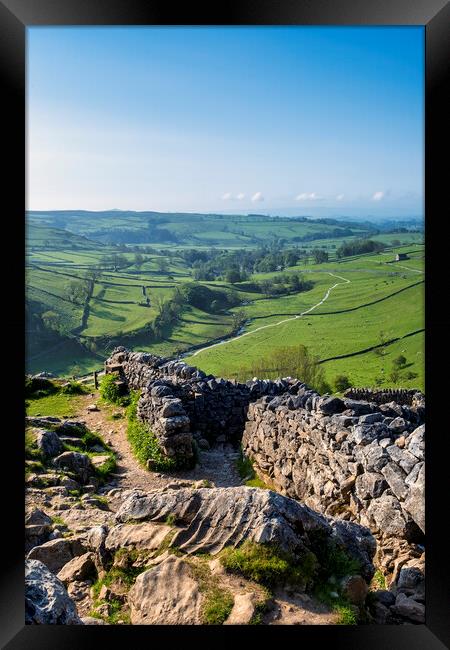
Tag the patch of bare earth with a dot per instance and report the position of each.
(298, 609)
(218, 465)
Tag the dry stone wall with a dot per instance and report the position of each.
(181, 403)
(353, 459)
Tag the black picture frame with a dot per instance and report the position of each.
(434, 15)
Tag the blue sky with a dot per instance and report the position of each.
(280, 120)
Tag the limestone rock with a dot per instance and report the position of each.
(411, 580)
(99, 460)
(146, 535)
(208, 520)
(355, 589)
(395, 478)
(409, 608)
(48, 442)
(166, 594)
(75, 462)
(243, 609)
(213, 519)
(91, 620)
(81, 520)
(387, 598)
(57, 552)
(331, 405)
(389, 517)
(46, 599)
(414, 504)
(358, 542)
(38, 527)
(79, 568)
(370, 485)
(416, 442)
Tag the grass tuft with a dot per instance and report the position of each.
(269, 565)
(217, 606)
(245, 469)
(143, 442)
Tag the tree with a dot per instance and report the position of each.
(93, 274)
(380, 350)
(341, 383)
(77, 292)
(238, 319)
(51, 320)
(266, 287)
(232, 276)
(290, 258)
(162, 264)
(292, 361)
(319, 255)
(138, 260)
(215, 306)
(399, 362)
(159, 302)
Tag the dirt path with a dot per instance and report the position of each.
(285, 320)
(216, 465)
(298, 609)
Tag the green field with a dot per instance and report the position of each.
(184, 229)
(355, 301)
(345, 323)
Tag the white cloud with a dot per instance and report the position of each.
(340, 197)
(226, 196)
(257, 197)
(305, 196)
(240, 196)
(378, 196)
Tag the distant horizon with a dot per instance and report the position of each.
(272, 214)
(326, 120)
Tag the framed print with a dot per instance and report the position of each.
(230, 234)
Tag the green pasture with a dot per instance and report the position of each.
(324, 335)
(372, 370)
(383, 299)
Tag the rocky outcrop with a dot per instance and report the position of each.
(46, 599)
(166, 594)
(57, 552)
(78, 569)
(207, 520)
(76, 463)
(48, 442)
(38, 527)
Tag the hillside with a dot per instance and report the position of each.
(85, 296)
(199, 230)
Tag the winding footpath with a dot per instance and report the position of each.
(281, 322)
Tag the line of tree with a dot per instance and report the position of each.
(237, 266)
(283, 284)
(359, 247)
